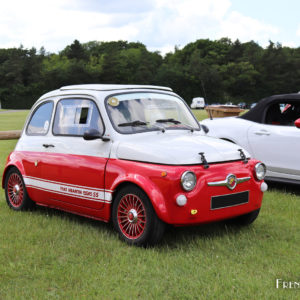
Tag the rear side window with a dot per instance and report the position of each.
(75, 116)
(284, 113)
(40, 120)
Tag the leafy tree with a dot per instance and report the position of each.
(75, 51)
(219, 70)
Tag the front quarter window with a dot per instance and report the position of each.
(140, 112)
(40, 119)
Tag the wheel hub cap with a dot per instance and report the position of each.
(132, 216)
(16, 190)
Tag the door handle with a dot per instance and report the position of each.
(48, 146)
(262, 132)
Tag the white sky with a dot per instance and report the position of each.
(159, 24)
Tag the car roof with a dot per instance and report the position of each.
(257, 113)
(83, 88)
(112, 87)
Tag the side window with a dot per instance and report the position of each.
(40, 120)
(285, 113)
(274, 116)
(75, 116)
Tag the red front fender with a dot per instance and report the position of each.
(120, 172)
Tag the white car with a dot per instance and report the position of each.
(269, 132)
(198, 102)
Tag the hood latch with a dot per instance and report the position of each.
(204, 161)
(243, 156)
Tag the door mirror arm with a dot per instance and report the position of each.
(93, 134)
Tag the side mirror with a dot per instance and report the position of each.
(297, 123)
(204, 128)
(93, 134)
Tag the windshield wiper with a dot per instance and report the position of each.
(191, 128)
(168, 121)
(140, 123)
(133, 124)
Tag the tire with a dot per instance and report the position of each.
(134, 218)
(15, 191)
(244, 220)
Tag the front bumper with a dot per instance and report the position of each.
(210, 203)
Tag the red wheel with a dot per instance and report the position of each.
(15, 191)
(134, 217)
(131, 216)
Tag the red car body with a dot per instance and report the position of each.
(140, 181)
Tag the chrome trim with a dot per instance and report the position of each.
(182, 177)
(243, 179)
(265, 170)
(132, 216)
(227, 183)
(16, 190)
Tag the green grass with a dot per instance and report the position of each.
(201, 114)
(47, 254)
(13, 121)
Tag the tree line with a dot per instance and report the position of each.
(220, 70)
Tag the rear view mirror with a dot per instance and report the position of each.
(297, 123)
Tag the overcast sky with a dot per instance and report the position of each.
(159, 24)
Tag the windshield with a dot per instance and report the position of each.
(140, 112)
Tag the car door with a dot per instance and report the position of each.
(277, 145)
(31, 148)
(72, 169)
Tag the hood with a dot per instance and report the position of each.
(177, 149)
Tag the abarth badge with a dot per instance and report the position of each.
(231, 181)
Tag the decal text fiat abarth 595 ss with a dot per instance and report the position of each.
(133, 155)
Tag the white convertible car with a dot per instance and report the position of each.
(270, 132)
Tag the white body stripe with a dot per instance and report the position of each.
(82, 192)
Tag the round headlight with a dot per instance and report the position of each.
(260, 171)
(188, 181)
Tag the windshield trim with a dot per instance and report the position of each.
(115, 126)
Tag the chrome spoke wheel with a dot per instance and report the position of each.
(131, 216)
(134, 218)
(15, 190)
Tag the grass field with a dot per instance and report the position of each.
(47, 254)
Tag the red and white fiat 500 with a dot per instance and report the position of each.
(131, 154)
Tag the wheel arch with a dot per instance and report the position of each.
(18, 166)
(155, 196)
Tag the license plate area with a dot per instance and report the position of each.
(223, 201)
